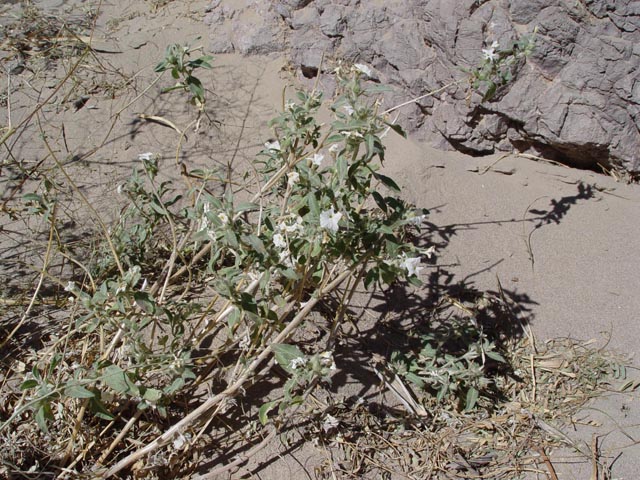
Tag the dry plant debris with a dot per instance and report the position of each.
(152, 344)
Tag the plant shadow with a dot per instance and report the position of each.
(385, 321)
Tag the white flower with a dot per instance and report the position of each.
(145, 156)
(363, 69)
(348, 109)
(334, 148)
(495, 45)
(292, 178)
(245, 343)
(293, 226)
(71, 287)
(289, 105)
(410, 264)
(429, 252)
(490, 54)
(330, 422)
(224, 218)
(329, 220)
(120, 190)
(279, 241)
(317, 159)
(179, 442)
(417, 220)
(285, 258)
(326, 358)
(298, 362)
(272, 145)
(204, 223)
(351, 133)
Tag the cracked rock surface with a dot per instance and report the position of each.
(576, 100)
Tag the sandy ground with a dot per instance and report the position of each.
(562, 242)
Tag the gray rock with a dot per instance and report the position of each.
(576, 100)
(333, 21)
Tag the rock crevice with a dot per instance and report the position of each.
(577, 99)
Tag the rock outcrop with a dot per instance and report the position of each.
(576, 100)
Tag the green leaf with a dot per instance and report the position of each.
(118, 380)
(630, 386)
(78, 391)
(32, 197)
(99, 410)
(246, 206)
(176, 385)
(316, 249)
(398, 129)
(234, 317)
(370, 277)
(161, 67)
(264, 411)
(472, 399)
(415, 379)
(374, 89)
(43, 414)
(495, 356)
(385, 229)
(152, 395)
(490, 91)
(160, 210)
(337, 138)
(290, 274)
(248, 302)
(231, 239)
(388, 182)
(145, 302)
(27, 384)
(202, 62)
(285, 354)
(341, 167)
(195, 85)
(314, 206)
(256, 243)
(379, 201)
(369, 142)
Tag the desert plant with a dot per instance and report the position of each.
(451, 363)
(322, 215)
(499, 65)
(178, 61)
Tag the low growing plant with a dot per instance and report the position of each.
(499, 65)
(322, 218)
(178, 61)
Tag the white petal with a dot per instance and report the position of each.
(292, 178)
(279, 241)
(317, 159)
(329, 220)
(275, 145)
(363, 69)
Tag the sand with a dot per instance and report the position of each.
(563, 243)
